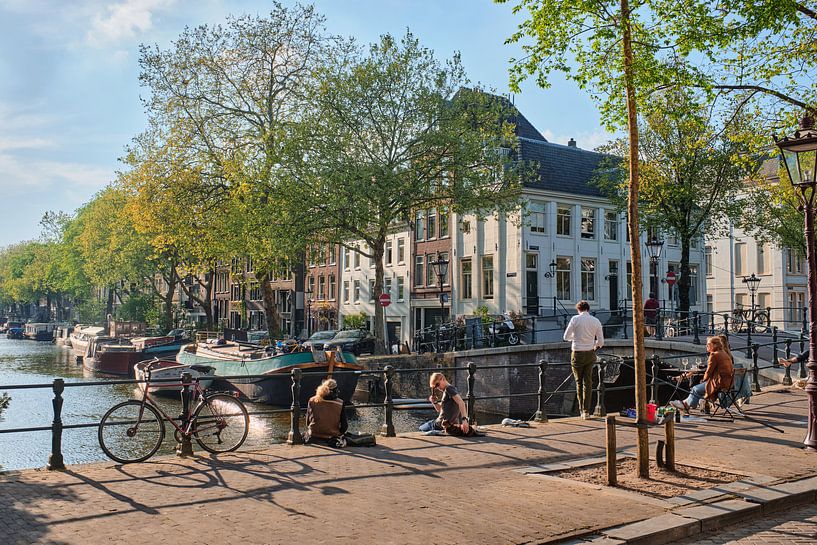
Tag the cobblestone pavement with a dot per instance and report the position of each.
(794, 526)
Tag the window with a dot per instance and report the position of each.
(741, 300)
(563, 220)
(371, 290)
(312, 254)
(431, 279)
(536, 217)
(629, 279)
(444, 220)
(311, 285)
(763, 300)
(740, 259)
(321, 287)
(387, 285)
(797, 303)
(345, 291)
(347, 263)
(401, 250)
(563, 269)
(488, 277)
(588, 222)
(432, 224)
(588, 279)
(249, 267)
(419, 225)
(710, 305)
(763, 259)
(387, 253)
(401, 290)
(357, 291)
(444, 256)
(693, 284)
(708, 261)
(331, 287)
(610, 225)
(357, 260)
(333, 250)
(673, 239)
(465, 275)
(418, 270)
(794, 263)
(531, 261)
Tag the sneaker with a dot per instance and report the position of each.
(680, 405)
(784, 362)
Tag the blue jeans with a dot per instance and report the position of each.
(696, 394)
(430, 425)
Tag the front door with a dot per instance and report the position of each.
(532, 293)
(612, 278)
(394, 331)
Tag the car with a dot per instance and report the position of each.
(318, 339)
(356, 341)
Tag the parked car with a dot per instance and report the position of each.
(356, 341)
(318, 339)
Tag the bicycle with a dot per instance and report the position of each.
(133, 431)
(741, 317)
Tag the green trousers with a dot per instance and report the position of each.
(582, 365)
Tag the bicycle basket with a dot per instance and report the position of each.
(611, 372)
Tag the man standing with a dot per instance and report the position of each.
(586, 335)
(651, 306)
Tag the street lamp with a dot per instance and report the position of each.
(441, 270)
(800, 157)
(654, 247)
(752, 282)
(552, 268)
(308, 313)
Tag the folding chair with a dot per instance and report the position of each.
(727, 400)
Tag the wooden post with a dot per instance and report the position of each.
(669, 435)
(611, 450)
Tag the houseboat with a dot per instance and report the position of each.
(82, 336)
(40, 331)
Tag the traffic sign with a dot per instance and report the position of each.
(670, 278)
(385, 300)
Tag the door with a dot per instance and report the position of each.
(395, 334)
(532, 293)
(612, 278)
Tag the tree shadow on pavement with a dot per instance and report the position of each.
(22, 518)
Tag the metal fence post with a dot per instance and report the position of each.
(787, 378)
(802, 349)
(750, 325)
(755, 369)
(185, 446)
(388, 425)
(775, 363)
(601, 409)
(624, 318)
(712, 324)
(725, 326)
(696, 323)
(655, 359)
(804, 325)
(659, 325)
(55, 460)
(469, 396)
(541, 412)
(294, 437)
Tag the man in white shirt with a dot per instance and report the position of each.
(586, 335)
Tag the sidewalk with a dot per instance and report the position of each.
(413, 489)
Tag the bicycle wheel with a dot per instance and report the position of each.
(761, 322)
(220, 423)
(131, 432)
(737, 323)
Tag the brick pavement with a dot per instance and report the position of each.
(789, 527)
(408, 489)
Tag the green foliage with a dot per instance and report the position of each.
(483, 314)
(91, 311)
(136, 308)
(355, 321)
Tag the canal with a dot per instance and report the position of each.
(29, 362)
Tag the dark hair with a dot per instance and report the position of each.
(582, 306)
(652, 295)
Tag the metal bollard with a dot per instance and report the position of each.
(388, 426)
(726, 326)
(294, 436)
(469, 396)
(712, 324)
(750, 325)
(696, 323)
(755, 369)
(55, 460)
(655, 360)
(624, 319)
(601, 409)
(787, 377)
(541, 412)
(802, 349)
(185, 446)
(775, 363)
(659, 325)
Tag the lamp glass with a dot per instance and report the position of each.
(654, 248)
(442, 269)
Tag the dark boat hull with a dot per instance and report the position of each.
(112, 363)
(276, 388)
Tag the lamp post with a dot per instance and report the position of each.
(800, 158)
(441, 270)
(654, 247)
(551, 274)
(308, 313)
(752, 282)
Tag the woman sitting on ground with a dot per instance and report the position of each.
(452, 414)
(797, 358)
(325, 417)
(717, 378)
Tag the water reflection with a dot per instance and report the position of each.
(28, 362)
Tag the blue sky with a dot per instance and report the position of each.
(69, 90)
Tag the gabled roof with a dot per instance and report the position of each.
(566, 169)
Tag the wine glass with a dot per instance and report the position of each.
(698, 362)
(685, 363)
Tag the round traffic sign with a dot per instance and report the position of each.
(385, 300)
(670, 278)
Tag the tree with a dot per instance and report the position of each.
(693, 168)
(393, 131)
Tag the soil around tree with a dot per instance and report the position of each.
(661, 484)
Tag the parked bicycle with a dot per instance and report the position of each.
(744, 317)
(132, 431)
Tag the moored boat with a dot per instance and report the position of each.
(81, 337)
(171, 369)
(40, 331)
(14, 330)
(62, 335)
(111, 356)
(273, 382)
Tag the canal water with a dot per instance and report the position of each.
(30, 362)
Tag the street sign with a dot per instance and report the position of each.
(670, 278)
(385, 300)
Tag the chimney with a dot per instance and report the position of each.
(571, 143)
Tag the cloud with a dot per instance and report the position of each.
(22, 177)
(124, 21)
(584, 140)
(7, 144)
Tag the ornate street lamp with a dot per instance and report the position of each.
(654, 247)
(800, 157)
(441, 270)
(752, 282)
(308, 313)
(552, 268)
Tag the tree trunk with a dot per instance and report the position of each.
(378, 248)
(109, 304)
(683, 286)
(643, 453)
(206, 302)
(270, 308)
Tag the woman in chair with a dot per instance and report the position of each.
(325, 417)
(717, 378)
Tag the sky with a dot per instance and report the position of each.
(70, 93)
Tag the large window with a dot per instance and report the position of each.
(345, 291)
(371, 291)
(444, 222)
(610, 225)
(708, 261)
(444, 256)
(357, 291)
(588, 222)
(357, 260)
(432, 224)
(419, 226)
(563, 213)
(401, 250)
(333, 250)
(563, 270)
(588, 279)
(794, 262)
(347, 263)
(431, 278)
(321, 287)
(488, 277)
(418, 270)
(466, 279)
(332, 287)
(536, 217)
(629, 279)
(387, 254)
(401, 289)
(741, 266)
(763, 258)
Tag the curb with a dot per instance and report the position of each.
(698, 517)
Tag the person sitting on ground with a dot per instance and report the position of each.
(452, 415)
(797, 358)
(325, 417)
(718, 377)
